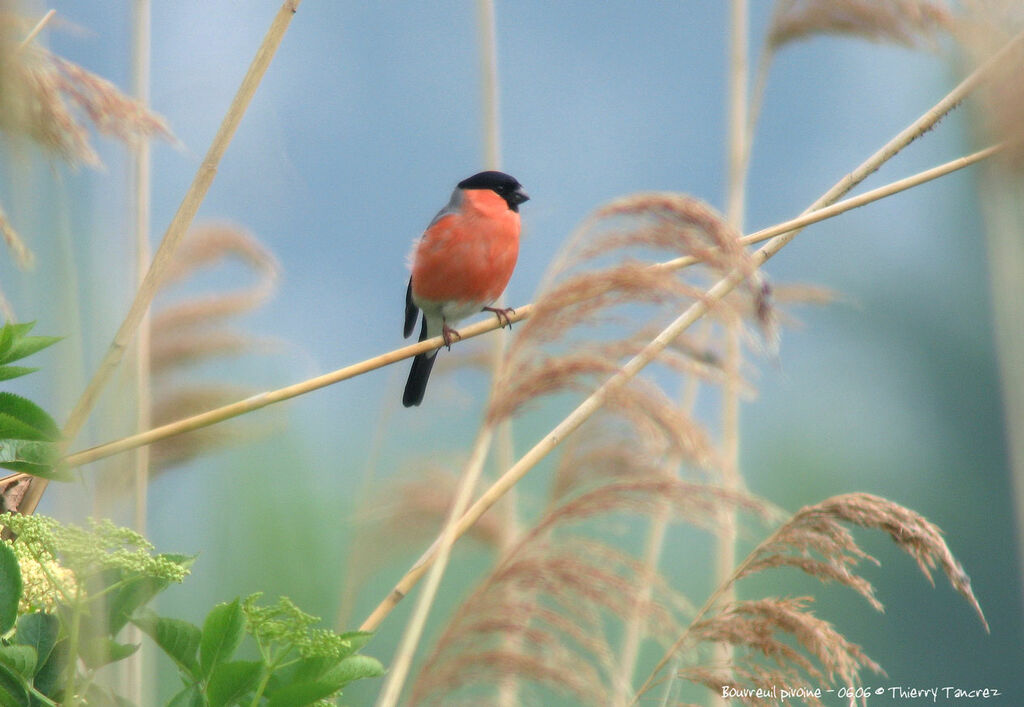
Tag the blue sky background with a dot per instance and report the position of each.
(370, 114)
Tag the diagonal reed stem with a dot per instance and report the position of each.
(693, 313)
(261, 400)
(45, 20)
(173, 235)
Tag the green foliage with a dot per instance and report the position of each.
(28, 435)
(299, 664)
(16, 344)
(67, 592)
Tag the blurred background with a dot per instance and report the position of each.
(368, 116)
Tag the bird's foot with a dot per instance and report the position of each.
(449, 335)
(502, 315)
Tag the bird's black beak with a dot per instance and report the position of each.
(519, 196)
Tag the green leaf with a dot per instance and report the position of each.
(21, 659)
(135, 593)
(222, 633)
(356, 639)
(48, 678)
(232, 681)
(355, 667)
(13, 428)
(103, 650)
(310, 669)
(34, 420)
(178, 639)
(10, 587)
(27, 345)
(9, 372)
(7, 338)
(36, 458)
(13, 688)
(191, 696)
(301, 694)
(39, 632)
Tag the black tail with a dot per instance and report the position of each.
(419, 374)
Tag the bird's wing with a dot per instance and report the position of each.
(411, 311)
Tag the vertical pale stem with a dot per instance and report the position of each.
(739, 126)
(1002, 196)
(504, 449)
(725, 559)
(487, 31)
(634, 632)
(141, 197)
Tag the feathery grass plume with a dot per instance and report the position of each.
(818, 530)
(23, 257)
(817, 542)
(599, 279)
(414, 506)
(597, 456)
(172, 404)
(765, 630)
(558, 591)
(191, 331)
(407, 512)
(983, 29)
(49, 100)
(906, 22)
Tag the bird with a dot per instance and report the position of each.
(461, 264)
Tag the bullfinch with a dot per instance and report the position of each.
(461, 264)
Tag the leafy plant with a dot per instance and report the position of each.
(28, 435)
(67, 593)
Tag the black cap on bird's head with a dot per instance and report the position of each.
(504, 185)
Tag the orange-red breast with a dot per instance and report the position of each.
(461, 264)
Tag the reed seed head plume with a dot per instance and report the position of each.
(906, 22)
(599, 278)
(190, 331)
(779, 642)
(23, 257)
(817, 542)
(538, 619)
(550, 599)
(414, 507)
(174, 402)
(50, 100)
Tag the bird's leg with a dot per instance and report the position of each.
(502, 315)
(449, 335)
